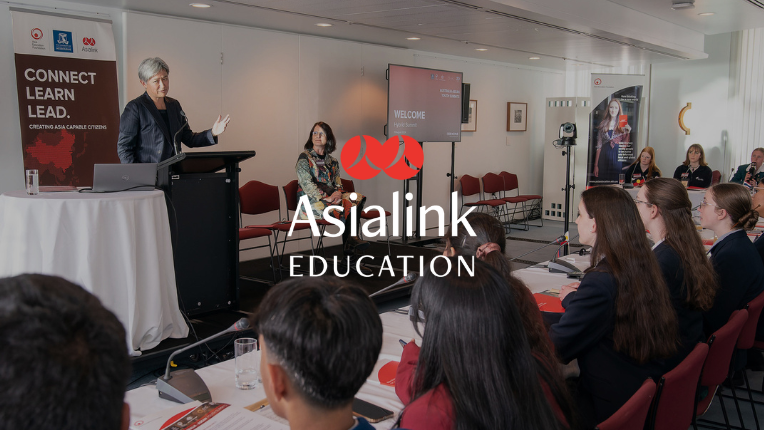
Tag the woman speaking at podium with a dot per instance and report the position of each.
(153, 125)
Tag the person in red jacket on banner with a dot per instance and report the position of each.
(475, 369)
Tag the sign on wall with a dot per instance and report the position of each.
(613, 126)
(66, 77)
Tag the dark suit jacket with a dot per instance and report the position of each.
(585, 331)
(741, 278)
(143, 134)
(690, 320)
(739, 175)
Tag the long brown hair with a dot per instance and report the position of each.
(645, 320)
(736, 200)
(702, 159)
(675, 208)
(653, 168)
(605, 124)
(489, 229)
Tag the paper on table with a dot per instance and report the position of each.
(206, 416)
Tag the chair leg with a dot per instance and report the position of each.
(724, 411)
(273, 263)
(750, 397)
(737, 404)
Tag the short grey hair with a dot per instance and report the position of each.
(150, 67)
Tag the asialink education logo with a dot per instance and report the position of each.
(380, 157)
(62, 41)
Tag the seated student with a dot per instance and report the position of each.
(619, 324)
(64, 362)
(666, 211)
(726, 209)
(475, 369)
(694, 171)
(320, 339)
(643, 168)
(757, 201)
(489, 244)
(753, 172)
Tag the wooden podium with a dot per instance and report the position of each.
(202, 193)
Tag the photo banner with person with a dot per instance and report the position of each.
(66, 77)
(613, 127)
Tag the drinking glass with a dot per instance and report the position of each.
(33, 182)
(247, 363)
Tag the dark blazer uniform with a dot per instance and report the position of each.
(585, 331)
(144, 136)
(741, 278)
(690, 320)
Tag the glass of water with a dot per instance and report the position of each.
(621, 178)
(33, 182)
(247, 363)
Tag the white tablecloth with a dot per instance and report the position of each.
(220, 377)
(116, 246)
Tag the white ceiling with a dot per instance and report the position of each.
(561, 32)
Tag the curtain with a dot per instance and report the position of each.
(746, 97)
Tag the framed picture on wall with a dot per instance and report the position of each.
(517, 116)
(471, 125)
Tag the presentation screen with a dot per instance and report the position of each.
(425, 104)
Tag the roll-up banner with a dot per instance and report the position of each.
(66, 75)
(613, 126)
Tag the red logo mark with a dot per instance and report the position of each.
(36, 34)
(88, 41)
(382, 156)
(598, 81)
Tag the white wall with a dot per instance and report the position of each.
(705, 84)
(276, 85)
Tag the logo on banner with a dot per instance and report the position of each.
(598, 81)
(379, 157)
(36, 34)
(62, 41)
(89, 42)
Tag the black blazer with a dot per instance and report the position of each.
(585, 331)
(701, 177)
(637, 168)
(143, 134)
(741, 278)
(690, 320)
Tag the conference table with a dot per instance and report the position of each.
(696, 195)
(115, 245)
(379, 388)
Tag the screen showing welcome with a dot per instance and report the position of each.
(425, 104)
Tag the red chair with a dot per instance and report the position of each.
(716, 177)
(471, 187)
(254, 233)
(721, 346)
(675, 397)
(290, 196)
(633, 414)
(493, 184)
(511, 184)
(368, 213)
(746, 341)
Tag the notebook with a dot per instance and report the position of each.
(109, 178)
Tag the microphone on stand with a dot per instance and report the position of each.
(175, 145)
(185, 385)
(410, 277)
(562, 266)
(560, 240)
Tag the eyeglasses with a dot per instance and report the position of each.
(319, 133)
(416, 315)
(705, 203)
(640, 201)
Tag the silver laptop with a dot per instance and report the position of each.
(109, 178)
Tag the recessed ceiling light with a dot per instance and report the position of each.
(706, 14)
(323, 24)
(200, 5)
(676, 5)
(481, 49)
(413, 38)
(534, 58)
